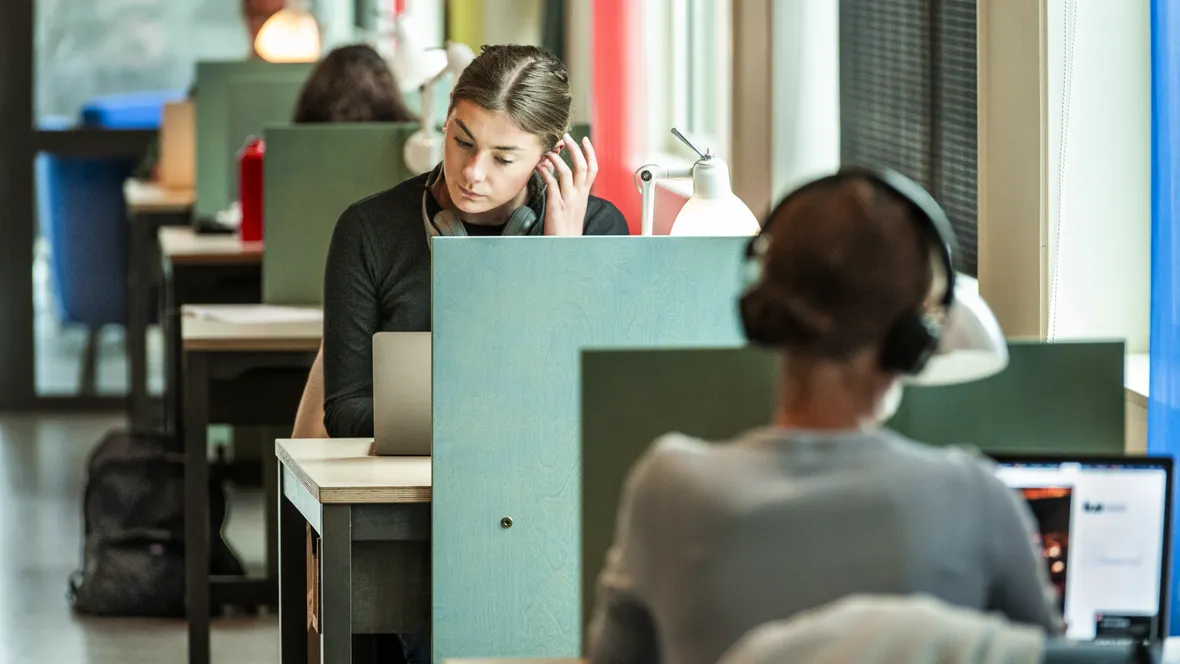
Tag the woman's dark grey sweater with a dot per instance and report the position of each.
(377, 279)
(715, 539)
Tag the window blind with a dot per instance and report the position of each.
(908, 100)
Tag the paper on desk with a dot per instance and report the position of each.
(256, 314)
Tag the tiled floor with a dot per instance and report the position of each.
(42, 462)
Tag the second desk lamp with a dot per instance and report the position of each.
(713, 208)
(424, 147)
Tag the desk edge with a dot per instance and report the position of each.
(352, 496)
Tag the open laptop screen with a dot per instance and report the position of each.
(1104, 531)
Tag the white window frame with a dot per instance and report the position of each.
(666, 75)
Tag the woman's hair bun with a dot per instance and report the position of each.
(785, 321)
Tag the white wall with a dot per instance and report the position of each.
(805, 61)
(1099, 187)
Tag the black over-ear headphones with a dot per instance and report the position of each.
(914, 337)
(523, 221)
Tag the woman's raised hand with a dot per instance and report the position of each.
(568, 190)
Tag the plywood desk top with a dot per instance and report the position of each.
(151, 198)
(342, 470)
(205, 333)
(183, 246)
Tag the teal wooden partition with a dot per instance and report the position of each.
(510, 318)
(1052, 398)
(234, 101)
(313, 173)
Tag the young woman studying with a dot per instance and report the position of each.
(500, 175)
(716, 538)
(351, 84)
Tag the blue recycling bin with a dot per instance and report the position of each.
(83, 217)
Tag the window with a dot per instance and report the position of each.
(88, 49)
(687, 49)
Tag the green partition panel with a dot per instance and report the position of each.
(312, 174)
(234, 101)
(1051, 398)
(510, 317)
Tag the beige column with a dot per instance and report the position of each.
(1013, 163)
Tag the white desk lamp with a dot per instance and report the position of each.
(713, 208)
(413, 64)
(291, 34)
(972, 348)
(973, 345)
(424, 148)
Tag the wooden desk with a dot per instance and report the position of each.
(184, 246)
(373, 517)
(242, 375)
(149, 208)
(198, 268)
(151, 198)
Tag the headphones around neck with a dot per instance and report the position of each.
(523, 221)
(914, 336)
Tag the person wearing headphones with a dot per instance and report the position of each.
(714, 539)
(500, 175)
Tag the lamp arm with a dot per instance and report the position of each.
(426, 96)
(645, 182)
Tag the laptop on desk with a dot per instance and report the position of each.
(1105, 531)
(402, 419)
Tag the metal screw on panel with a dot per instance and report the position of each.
(506, 522)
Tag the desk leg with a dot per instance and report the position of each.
(271, 473)
(292, 581)
(336, 584)
(138, 311)
(196, 505)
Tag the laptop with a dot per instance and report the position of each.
(1105, 531)
(402, 421)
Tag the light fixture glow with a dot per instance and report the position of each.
(290, 35)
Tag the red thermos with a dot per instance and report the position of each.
(250, 189)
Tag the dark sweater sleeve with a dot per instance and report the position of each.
(603, 218)
(1020, 586)
(350, 320)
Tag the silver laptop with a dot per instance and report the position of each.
(402, 419)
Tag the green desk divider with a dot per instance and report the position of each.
(1052, 398)
(234, 101)
(312, 174)
(510, 318)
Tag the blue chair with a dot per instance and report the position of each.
(84, 219)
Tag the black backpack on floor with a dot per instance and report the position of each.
(133, 509)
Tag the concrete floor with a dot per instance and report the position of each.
(42, 471)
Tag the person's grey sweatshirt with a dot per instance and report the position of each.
(714, 539)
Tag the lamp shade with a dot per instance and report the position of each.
(713, 208)
(972, 346)
(290, 35)
(413, 64)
